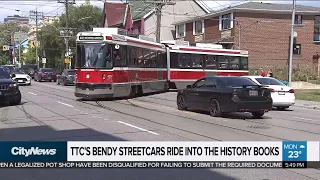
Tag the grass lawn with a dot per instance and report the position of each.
(308, 94)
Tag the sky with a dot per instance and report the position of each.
(52, 8)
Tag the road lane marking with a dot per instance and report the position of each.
(65, 104)
(127, 124)
(32, 93)
(76, 109)
(307, 119)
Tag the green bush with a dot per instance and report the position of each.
(282, 74)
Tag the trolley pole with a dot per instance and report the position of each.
(291, 43)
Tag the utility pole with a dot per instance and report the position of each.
(158, 7)
(36, 16)
(66, 32)
(291, 43)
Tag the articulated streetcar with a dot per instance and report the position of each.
(189, 63)
(111, 64)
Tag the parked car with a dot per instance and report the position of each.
(283, 96)
(224, 94)
(30, 69)
(45, 74)
(21, 77)
(66, 77)
(9, 89)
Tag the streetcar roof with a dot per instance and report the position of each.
(117, 35)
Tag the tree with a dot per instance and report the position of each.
(82, 18)
(30, 56)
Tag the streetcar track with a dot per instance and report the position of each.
(114, 110)
(194, 119)
(312, 123)
(301, 121)
(311, 132)
(125, 114)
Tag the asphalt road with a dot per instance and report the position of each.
(51, 112)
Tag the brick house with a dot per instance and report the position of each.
(263, 29)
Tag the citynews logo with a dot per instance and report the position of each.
(35, 151)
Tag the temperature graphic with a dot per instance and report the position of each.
(294, 151)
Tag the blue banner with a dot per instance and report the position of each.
(33, 151)
(294, 151)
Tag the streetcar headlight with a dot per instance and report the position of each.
(88, 76)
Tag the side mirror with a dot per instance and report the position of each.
(189, 86)
(13, 75)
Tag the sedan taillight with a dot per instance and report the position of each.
(272, 90)
(291, 91)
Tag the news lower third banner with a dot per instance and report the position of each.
(159, 154)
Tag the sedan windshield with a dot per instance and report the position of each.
(47, 70)
(18, 71)
(4, 74)
(269, 81)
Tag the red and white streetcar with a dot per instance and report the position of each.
(189, 63)
(111, 64)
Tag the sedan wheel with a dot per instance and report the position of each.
(258, 114)
(181, 103)
(214, 108)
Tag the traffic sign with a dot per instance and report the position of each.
(67, 60)
(44, 60)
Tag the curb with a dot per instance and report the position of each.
(306, 107)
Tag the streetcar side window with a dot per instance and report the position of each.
(139, 55)
(162, 59)
(234, 63)
(119, 56)
(174, 60)
(132, 58)
(223, 62)
(185, 61)
(197, 61)
(244, 63)
(211, 62)
(153, 59)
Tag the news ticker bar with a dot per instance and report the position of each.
(155, 165)
(158, 151)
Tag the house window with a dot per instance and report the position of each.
(198, 27)
(180, 30)
(298, 19)
(317, 28)
(297, 49)
(226, 21)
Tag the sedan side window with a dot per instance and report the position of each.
(200, 83)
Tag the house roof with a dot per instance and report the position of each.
(143, 8)
(114, 13)
(258, 7)
(140, 9)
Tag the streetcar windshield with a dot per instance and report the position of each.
(91, 56)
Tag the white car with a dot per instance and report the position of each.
(21, 77)
(282, 95)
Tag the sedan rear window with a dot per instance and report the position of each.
(269, 81)
(71, 72)
(47, 70)
(235, 81)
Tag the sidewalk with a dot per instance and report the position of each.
(307, 104)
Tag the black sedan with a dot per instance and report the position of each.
(225, 94)
(66, 77)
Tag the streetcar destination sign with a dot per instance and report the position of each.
(90, 37)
